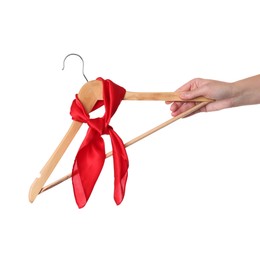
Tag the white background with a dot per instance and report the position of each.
(193, 188)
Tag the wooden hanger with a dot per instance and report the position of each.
(88, 95)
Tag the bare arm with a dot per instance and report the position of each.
(225, 94)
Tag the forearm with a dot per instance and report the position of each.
(246, 91)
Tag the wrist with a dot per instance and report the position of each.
(246, 92)
(236, 94)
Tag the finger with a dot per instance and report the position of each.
(184, 107)
(213, 106)
(203, 109)
(193, 93)
(175, 106)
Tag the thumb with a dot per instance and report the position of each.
(192, 93)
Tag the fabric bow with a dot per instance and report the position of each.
(91, 154)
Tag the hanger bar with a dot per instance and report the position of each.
(164, 96)
(138, 138)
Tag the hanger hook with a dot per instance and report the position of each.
(82, 63)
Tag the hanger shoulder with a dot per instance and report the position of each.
(53, 161)
(90, 93)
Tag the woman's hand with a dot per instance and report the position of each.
(221, 92)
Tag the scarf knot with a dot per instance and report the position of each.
(99, 125)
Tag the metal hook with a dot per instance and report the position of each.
(82, 63)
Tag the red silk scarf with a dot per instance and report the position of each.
(91, 155)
